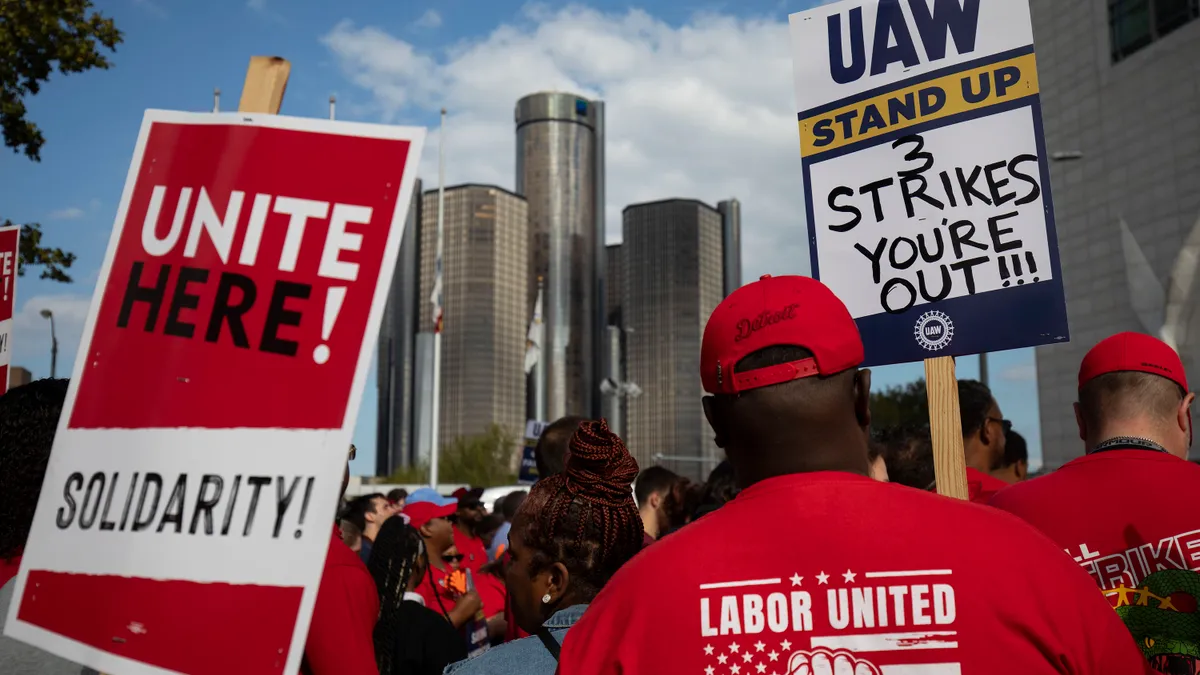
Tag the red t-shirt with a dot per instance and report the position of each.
(434, 588)
(472, 549)
(868, 578)
(1130, 519)
(341, 636)
(981, 487)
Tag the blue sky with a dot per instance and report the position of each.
(699, 94)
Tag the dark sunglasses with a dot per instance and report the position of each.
(1004, 424)
(453, 558)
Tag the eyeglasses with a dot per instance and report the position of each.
(1004, 424)
(453, 558)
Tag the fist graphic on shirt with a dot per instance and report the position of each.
(822, 661)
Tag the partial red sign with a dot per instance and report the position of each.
(249, 254)
(186, 504)
(10, 239)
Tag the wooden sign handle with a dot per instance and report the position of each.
(945, 426)
(266, 82)
(262, 92)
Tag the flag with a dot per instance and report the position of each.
(436, 296)
(533, 341)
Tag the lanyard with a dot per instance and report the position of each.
(1127, 443)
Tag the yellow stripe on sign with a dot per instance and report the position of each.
(954, 94)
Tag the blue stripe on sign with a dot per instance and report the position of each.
(1010, 318)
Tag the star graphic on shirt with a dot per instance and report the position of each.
(735, 669)
(708, 650)
(822, 578)
(849, 576)
(773, 655)
(785, 645)
(709, 670)
(759, 646)
(733, 648)
(796, 579)
(747, 657)
(721, 659)
(760, 668)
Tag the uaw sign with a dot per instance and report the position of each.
(926, 176)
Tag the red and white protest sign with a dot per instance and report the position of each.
(10, 240)
(191, 492)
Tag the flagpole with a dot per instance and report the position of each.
(434, 434)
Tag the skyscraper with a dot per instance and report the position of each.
(394, 378)
(674, 279)
(731, 243)
(484, 271)
(1126, 202)
(560, 171)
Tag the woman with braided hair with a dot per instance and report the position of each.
(410, 639)
(570, 535)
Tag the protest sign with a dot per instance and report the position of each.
(189, 501)
(527, 474)
(925, 174)
(10, 241)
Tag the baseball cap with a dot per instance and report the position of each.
(422, 512)
(777, 311)
(468, 494)
(430, 496)
(1136, 352)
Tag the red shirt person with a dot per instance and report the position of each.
(984, 436)
(1126, 510)
(870, 578)
(466, 538)
(341, 635)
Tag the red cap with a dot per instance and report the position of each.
(1132, 352)
(423, 512)
(777, 311)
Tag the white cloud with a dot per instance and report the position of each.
(31, 332)
(1025, 372)
(69, 213)
(257, 5)
(704, 110)
(430, 19)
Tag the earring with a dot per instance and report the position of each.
(546, 599)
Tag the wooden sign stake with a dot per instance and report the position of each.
(262, 92)
(945, 426)
(266, 82)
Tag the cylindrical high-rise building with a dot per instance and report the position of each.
(560, 172)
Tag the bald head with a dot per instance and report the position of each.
(809, 424)
(1129, 403)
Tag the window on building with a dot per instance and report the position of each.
(1134, 24)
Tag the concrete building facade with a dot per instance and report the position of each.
(484, 280)
(1121, 107)
(560, 171)
(673, 280)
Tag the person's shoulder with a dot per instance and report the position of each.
(525, 655)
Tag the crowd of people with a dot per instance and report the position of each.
(817, 547)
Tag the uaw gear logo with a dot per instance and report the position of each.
(934, 331)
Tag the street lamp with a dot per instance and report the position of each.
(47, 314)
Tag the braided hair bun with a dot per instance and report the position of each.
(599, 467)
(585, 517)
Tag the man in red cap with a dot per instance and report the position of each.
(1126, 510)
(432, 515)
(867, 577)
